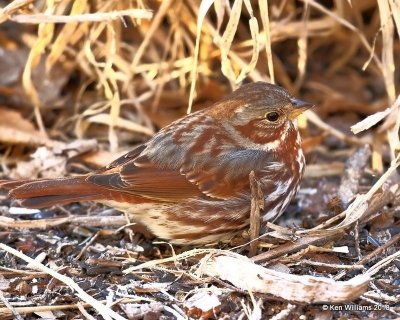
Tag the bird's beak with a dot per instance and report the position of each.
(299, 106)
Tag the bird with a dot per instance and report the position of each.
(189, 184)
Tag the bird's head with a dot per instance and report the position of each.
(261, 111)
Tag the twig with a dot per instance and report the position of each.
(383, 307)
(12, 310)
(382, 263)
(332, 265)
(376, 203)
(22, 273)
(93, 221)
(380, 296)
(5, 312)
(88, 17)
(83, 250)
(330, 221)
(379, 250)
(357, 240)
(301, 243)
(12, 7)
(103, 310)
(257, 203)
(372, 255)
(84, 312)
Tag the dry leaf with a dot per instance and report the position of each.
(203, 305)
(14, 129)
(246, 275)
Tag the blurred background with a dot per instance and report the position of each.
(82, 82)
(117, 71)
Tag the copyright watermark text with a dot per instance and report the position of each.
(355, 307)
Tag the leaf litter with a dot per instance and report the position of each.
(83, 82)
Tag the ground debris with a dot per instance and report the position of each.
(83, 82)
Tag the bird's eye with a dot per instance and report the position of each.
(272, 116)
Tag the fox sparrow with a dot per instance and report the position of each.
(190, 183)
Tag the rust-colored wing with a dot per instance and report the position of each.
(193, 157)
(184, 163)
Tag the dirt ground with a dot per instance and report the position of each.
(84, 82)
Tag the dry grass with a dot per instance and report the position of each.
(117, 71)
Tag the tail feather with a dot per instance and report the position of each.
(48, 201)
(11, 184)
(47, 192)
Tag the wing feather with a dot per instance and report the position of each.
(165, 170)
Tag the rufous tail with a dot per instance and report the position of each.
(48, 192)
